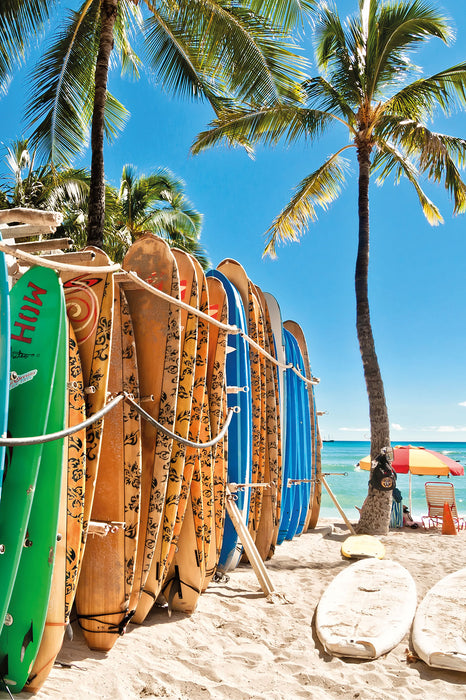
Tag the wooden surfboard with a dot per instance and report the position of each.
(27, 608)
(70, 524)
(89, 305)
(4, 356)
(35, 338)
(156, 325)
(316, 486)
(278, 343)
(185, 577)
(107, 571)
(181, 463)
(367, 609)
(438, 629)
(272, 473)
(217, 393)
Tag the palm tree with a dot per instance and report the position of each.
(215, 50)
(38, 186)
(157, 203)
(368, 84)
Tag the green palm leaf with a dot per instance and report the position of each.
(320, 188)
(390, 161)
(19, 21)
(267, 125)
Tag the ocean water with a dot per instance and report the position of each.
(351, 489)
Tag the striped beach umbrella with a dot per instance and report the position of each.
(419, 460)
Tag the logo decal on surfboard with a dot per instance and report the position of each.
(17, 379)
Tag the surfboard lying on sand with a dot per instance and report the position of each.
(440, 622)
(362, 547)
(367, 609)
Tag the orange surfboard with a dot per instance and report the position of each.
(184, 579)
(89, 305)
(179, 479)
(105, 583)
(156, 326)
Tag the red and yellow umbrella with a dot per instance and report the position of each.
(419, 460)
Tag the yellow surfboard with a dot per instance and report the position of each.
(362, 547)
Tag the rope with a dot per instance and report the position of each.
(233, 330)
(178, 438)
(39, 439)
(43, 262)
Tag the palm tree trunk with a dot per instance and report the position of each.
(95, 227)
(375, 512)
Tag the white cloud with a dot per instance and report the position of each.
(397, 426)
(450, 429)
(462, 403)
(355, 430)
(444, 429)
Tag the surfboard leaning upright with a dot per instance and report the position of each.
(156, 326)
(35, 335)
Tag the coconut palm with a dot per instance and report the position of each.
(157, 203)
(28, 184)
(368, 84)
(215, 49)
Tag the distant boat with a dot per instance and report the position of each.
(328, 439)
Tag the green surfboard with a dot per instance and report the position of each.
(24, 624)
(36, 317)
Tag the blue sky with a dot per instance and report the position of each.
(417, 282)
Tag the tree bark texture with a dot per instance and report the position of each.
(95, 227)
(375, 512)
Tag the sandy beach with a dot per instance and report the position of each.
(238, 645)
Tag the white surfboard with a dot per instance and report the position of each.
(367, 609)
(439, 629)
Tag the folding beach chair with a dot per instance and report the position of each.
(437, 494)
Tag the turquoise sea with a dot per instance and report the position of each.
(351, 490)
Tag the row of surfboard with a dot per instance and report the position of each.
(119, 515)
(371, 605)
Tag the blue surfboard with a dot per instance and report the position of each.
(239, 433)
(290, 453)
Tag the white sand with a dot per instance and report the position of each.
(239, 646)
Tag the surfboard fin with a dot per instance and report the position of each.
(28, 637)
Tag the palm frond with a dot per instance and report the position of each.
(20, 22)
(421, 98)
(395, 31)
(439, 156)
(211, 47)
(337, 58)
(390, 161)
(266, 125)
(128, 24)
(324, 96)
(116, 116)
(320, 188)
(285, 14)
(59, 102)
